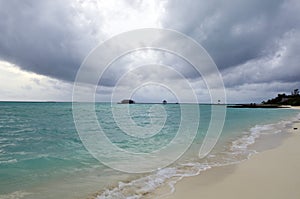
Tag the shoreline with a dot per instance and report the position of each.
(268, 174)
(295, 107)
(190, 187)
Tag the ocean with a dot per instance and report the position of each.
(42, 155)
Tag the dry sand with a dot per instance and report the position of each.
(295, 107)
(272, 174)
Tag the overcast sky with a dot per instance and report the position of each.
(255, 45)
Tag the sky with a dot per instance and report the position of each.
(255, 45)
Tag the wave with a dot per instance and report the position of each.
(145, 185)
(237, 151)
(8, 161)
(14, 195)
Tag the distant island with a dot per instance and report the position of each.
(127, 101)
(281, 101)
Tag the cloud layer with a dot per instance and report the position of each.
(253, 43)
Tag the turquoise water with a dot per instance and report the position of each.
(42, 156)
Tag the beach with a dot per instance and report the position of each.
(55, 163)
(269, 174)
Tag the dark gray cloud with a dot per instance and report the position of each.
(42, 36)
(234, 31)
(281, 66)
(252, 42)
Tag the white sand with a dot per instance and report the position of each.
(295, 107)
(272, 174)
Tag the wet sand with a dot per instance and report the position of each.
(270, 174)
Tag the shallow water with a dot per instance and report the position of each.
(42, 156)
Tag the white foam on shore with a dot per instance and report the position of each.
(14, 195)
(241, 145)
(138, 188)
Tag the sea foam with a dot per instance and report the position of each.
(169, 176)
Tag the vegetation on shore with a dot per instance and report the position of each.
(284, 99)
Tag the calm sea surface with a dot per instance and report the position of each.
(42, 156)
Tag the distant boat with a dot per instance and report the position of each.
(165, 102)
(127, 101)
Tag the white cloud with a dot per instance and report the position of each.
(20, 85)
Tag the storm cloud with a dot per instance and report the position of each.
(235, 31)
(44, 37)
(252, 42)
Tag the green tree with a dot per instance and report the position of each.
(295, 92)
